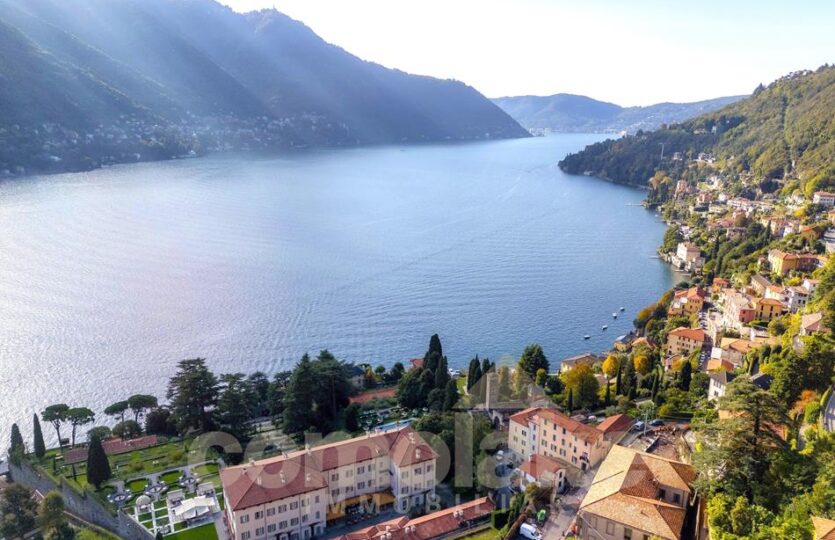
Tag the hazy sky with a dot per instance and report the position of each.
(631, 52)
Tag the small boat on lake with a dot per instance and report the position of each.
(605, 326)
(623, 309)
(587, 336)
(614, 315)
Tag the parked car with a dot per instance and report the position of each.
(657, 422)
(638, 426)
(530, 532)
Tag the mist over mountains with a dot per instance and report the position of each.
(91, 82)
(570, 113)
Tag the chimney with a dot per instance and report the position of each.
(417, 453)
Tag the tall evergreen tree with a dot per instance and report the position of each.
(685, 376)
(298, 411)
(193, 393)
(16, 449)
(474, 373)
(98, 466)
(39, 446)
(656, 384)
(434, 354)
(608, 394)
(618, 389)
(451, 395)
(570, 399)
(441, 374)
(532, 360)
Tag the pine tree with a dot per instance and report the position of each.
(39, 446)
(98, 466)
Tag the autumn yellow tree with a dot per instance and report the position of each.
(611, 366)
(642, 364)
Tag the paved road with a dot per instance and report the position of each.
(558, 524)
(829, 413)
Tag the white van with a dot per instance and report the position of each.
(529, 531)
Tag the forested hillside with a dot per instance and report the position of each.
(91, 82)
(569, 113)
(784, 130)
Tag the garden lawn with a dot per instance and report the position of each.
(203, 532)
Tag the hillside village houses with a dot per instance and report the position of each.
(637, 496)
(687, 302)
(824, 198)
(685, 341)
(688, 257)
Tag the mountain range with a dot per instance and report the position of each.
(88, 82)
(785, 131)
(570, 113)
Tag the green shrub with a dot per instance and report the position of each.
(498, 518)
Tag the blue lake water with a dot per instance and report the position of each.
(107, 278)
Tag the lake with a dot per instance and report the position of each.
(108, 278)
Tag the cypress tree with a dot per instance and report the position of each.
(450, 395)
(17, 448)
(441, 374)
(608, 393)
(685, 376)
(617, 384)
(40, 447)
(98, 467)
(655, 384)
(474, 373)
(570, 399)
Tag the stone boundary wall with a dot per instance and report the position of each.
(82, 505)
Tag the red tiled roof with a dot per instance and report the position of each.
(425, 527)
(695, 334)
(580, 430)
(538, 465)
(300, 472)
(616, 424)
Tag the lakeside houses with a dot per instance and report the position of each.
(824, 198)
(636, 495)
(586, 359)
(685, 341)
(297, 495)
(782, 263)
(550, 433)
(687, 302)
(811, 323)
(740, 309)
(688, 257)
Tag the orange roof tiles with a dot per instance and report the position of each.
(425, 527)
(301, 472)
(695, 334)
